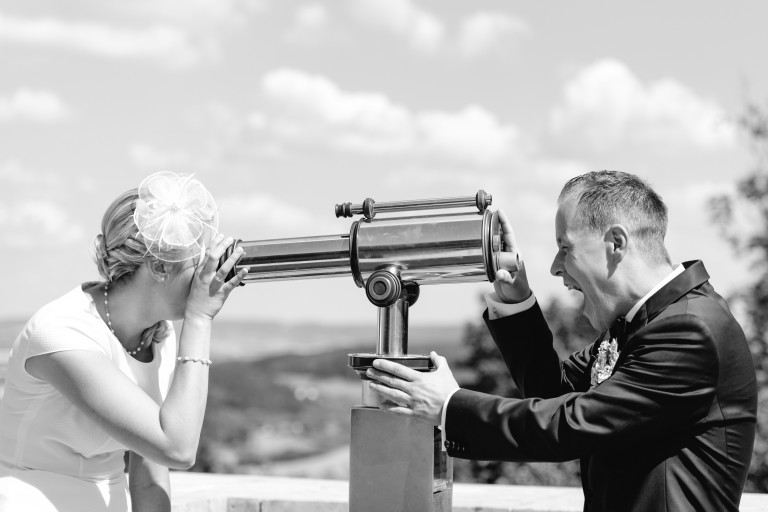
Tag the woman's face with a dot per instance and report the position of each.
(178, 286)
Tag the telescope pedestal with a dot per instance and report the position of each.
(397, 464)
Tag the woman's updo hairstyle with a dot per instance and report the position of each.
(120, 251)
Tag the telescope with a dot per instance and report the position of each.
(396, 463)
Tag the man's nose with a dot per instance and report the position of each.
(556, 269)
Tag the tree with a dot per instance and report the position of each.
(743, 219)
(483, 370)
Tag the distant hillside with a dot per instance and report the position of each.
(238, 340)
(289, 413)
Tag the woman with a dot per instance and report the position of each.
(98, 371)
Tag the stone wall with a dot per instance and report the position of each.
(204, 492)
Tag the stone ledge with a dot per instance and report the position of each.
(206, 492)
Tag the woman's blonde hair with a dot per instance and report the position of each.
(120, 251)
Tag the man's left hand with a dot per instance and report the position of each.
(410, 392)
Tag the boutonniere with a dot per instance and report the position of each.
(607, 354)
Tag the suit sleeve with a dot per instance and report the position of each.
(662, 385)
(525, 343)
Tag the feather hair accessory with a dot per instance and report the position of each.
(176, 215)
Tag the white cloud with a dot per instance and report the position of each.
(32, 105)
(13, 173)
(313, 108)
(149, 157)
(161, 42)
(312, 15)
(270, 217)
(310, 23)
(422, 29)
(26, 224)
(484, 31)
(197, 12)
(607, 105)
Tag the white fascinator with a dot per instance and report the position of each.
(176, 215)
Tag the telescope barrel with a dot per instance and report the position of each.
(429, 249)
(295, 258)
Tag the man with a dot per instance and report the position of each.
(661, 409)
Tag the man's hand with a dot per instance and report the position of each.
(413, 393)
(511, 287)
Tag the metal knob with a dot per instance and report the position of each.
(383, 288)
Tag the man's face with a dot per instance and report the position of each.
(582, 262)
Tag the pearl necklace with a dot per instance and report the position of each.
(109, 323)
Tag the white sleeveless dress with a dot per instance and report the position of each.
(52, 456)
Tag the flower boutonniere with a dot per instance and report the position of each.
(607, 354)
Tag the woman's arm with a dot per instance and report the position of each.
(167, 434)
(149, 485)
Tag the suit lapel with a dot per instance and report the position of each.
(691, 278)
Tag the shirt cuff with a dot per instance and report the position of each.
(442, 418)
(498, 309)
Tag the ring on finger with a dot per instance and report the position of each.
(217, 278)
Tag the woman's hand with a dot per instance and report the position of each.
(511, 287)
(209, 290)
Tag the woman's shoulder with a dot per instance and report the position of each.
(73, 306)
(66, 320)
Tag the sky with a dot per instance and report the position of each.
(285, 108)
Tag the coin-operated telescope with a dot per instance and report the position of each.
(396, 463)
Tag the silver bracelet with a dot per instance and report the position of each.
(204, 362)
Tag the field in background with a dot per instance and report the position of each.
(280, 395)
(288, 413)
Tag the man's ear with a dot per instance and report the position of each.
(617, 238)
(158, 270)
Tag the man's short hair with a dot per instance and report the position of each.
(615, 197)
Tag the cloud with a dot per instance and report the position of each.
(27, 223)
(606, 105)
(197, 12)
(12, 173)
(149, 157)
(271, 217)
(312, 16)
(33, 106)
(484, 31)
(310, 22)
(312, 108)
(423, 30)
(162, 42)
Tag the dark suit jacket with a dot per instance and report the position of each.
(671, 429)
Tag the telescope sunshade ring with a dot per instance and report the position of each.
(490, 256)
(353, 259)
(360, 362)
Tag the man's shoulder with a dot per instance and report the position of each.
(701, 304)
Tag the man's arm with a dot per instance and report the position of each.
(660, 390)
(525, 343)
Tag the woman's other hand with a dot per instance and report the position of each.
(209, 289)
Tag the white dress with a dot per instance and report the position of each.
(52, 456)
